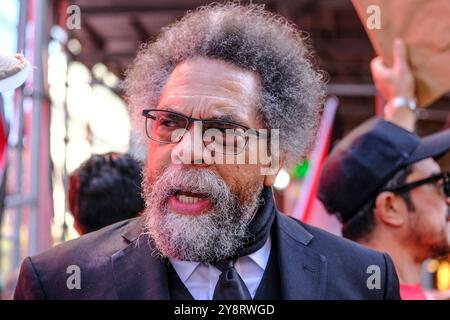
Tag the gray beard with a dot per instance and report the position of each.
(212, 236)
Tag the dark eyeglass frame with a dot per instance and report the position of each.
(191, 120)
(435, 177)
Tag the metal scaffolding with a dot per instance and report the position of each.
(29, 198)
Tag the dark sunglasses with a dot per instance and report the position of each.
(445, 176)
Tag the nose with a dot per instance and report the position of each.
(189, 150)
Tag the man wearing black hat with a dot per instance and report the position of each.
(384, 185)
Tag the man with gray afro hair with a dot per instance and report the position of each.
(220, 100)
(291, 94)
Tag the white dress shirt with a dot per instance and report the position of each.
(201, 278)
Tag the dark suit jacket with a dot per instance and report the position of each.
(116, 263)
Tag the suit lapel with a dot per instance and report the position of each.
(139, 273)
(303, 271)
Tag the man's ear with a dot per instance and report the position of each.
(269, 179)
(391, 209)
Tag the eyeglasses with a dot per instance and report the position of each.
(169, 127)
(445, 176)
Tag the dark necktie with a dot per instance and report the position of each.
(230, 285)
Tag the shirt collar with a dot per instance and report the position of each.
(186, 268)
(261, 256)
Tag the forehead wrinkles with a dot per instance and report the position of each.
(212, 77)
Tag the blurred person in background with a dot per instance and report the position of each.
(105, 189)
(384, 185)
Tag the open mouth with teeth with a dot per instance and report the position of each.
(189, 203)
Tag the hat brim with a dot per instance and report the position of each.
(432, 146)
(15, 81)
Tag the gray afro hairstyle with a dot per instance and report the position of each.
(292, 92)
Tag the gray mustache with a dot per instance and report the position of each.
(195, 180)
